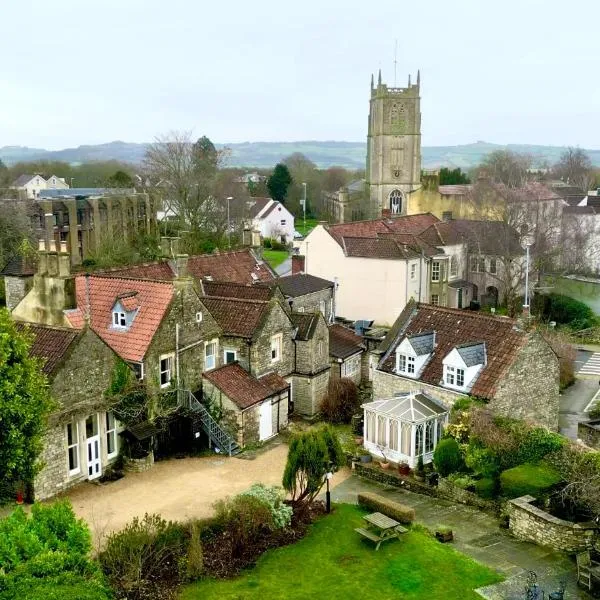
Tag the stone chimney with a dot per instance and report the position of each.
(298, 263)
(169, 246)
(180, 266)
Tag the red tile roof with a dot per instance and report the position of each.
(158, 271)
(51, 344)
(152, 297)
(343, 342)
(385, 248)
(237, 266)
(454, 327)
(274, 382)
(237, 317)
(413, 224)
(238, 385)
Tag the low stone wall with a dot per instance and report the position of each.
(139, 465)
(527, 522)
(589, 433)
(446, 489)
(393, 478)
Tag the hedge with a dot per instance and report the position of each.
(528, 479)
(447, 457)
(394, 510)
(486, 488)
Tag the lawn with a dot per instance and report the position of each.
(302, 229)
(275, 257)
(333, 562)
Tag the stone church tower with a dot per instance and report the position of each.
(393, 147)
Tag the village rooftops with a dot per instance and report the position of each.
(50, 344)
(411, 407)
(237, 290)
(343, 342)
(305, 324)
(242, 388)
(237, 317)
(19, 266)
(301, 284)
(490, 341)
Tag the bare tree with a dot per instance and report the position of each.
(507, 167)
(575, 168)
(15, 228)
(581, 240)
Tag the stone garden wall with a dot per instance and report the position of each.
(527, 522)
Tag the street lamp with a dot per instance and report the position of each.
(304, 205)
(229, 198)
(328, 476)
(526, 305)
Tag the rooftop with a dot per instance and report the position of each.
(305, 324)
(19, 266)
(237, 317)
(301, 284)
(242, 291)
(412, 407)
(343, 342)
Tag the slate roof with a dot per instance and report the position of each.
(472, 354)
(455, 327)
(157, 271)
(51, 344)
(305, 323)
(153, 299)
(410, 407)
(237, 317)
(236, 266)
(259, 204)
(237, 290)
(238, 385)
(23, 179)
(377, 248)
(422, 343)
(343, 342)
(572, 194)
(301, 284)
(19, 266)
(590, 209)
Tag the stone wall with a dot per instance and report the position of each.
(530, 388)
(308, 392)
(446, 489)
(308, 359)
(589, 433)
(385, 385)
(527, 522)
(311, 303)
(139, 465)
(16, 289)
(374, 473)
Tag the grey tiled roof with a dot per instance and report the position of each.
(422, 343)
(409, 407)
(472, 354)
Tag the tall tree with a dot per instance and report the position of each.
(279, 182)
(453, 176)
(24, 404)
(120, 179)
(575, 168)
(507, 167)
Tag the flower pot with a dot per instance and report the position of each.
(444, 536)
(359, 441)
(385, 465)
(403, 469)
(19, 496)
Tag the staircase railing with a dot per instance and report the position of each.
(216, 434)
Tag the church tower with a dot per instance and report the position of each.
(393, 147)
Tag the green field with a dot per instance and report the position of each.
(584, 291)
(303, 229)
(275, 257)
(333, 562)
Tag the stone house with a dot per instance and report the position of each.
(347, 354)
(307, 293)
(450, 353)
(255, 409)
(81, 439)
(311, 363)
(18, 279)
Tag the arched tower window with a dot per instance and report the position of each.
(396, 202)
(397, 113)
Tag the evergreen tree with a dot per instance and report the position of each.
(279, 182)
(453, 176)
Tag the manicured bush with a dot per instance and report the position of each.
(566, 310)
(529, 479)
(341, 402)
(447, 457)
(486, 488)
(537, 443)
(273, 497)
(394, 510)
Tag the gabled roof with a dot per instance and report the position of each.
(256, 205)
(153, 299)
(301, 284)
(51, 344)
(305, 323)
(570, 193)
(274, 382)
(236, 266)
(472, 354)
(242, 291)
(455, 327)
(24, 179)
(239, 386)
(411, 407)
(156, 271)
(236, 317)
(377, 248)
(19, 266)
(422, 343)
(343, 342)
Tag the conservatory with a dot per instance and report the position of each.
(404, 427)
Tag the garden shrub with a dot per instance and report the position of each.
(566, 310)
(273, 497)
(463, 481)
(341, 402)
(537, 443)
(481, 460)
(529, 479)
(394, 510)
(447, 457)
(267, 242)
(486, 488)
(146, 558)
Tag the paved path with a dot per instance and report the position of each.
(479, 536)
(285, 268)
(575, 401)
(591, 366)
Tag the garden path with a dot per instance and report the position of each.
(477, 534)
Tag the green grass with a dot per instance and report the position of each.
(275, 257)
(305, 230)
(535, 480)
(334, 562)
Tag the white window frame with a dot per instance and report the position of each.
(406, 364)
(209, 365)
(351, 366)
(111, 433)
(75, 436)
(413, 271)
(437, 300)
(119, 320)
(436, 270)
(276, 347)
(453, 266)
(171, 363)
(453, 374)
(229, 351)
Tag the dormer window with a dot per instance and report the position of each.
(455, 376)
(119, 319)
(124, 311)
(413, 352)
(463, 365)
(406, 364)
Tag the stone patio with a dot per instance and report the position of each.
(478, 535)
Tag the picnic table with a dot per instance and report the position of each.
(380, 528)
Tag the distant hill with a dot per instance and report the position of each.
(266, 154)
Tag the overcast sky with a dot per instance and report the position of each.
(77, 72)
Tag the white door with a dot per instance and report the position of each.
(266, 424)
(94, 465)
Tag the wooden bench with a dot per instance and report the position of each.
(381, 528)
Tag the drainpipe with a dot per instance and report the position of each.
(421, 274)
(405, 282)
(177, 361)
(334, 300)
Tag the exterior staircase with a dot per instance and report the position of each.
(201, 419)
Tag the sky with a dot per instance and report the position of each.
(76, 72)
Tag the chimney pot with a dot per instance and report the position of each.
(298, 263)
(63, 247)
(41, 245)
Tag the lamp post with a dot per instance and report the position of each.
(72, 180)
(526, 305)
(328, 476)
(304, 205)
(229, 198)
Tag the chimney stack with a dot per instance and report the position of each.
(298, 263)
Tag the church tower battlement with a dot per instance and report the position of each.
(393, 147)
